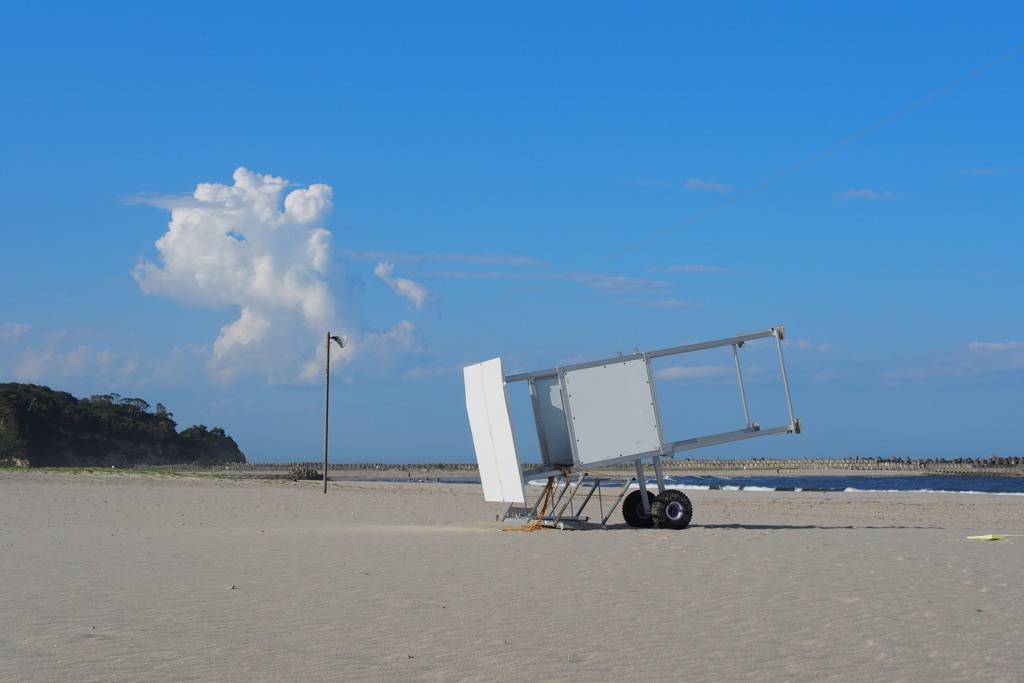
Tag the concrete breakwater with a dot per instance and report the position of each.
(992, 466)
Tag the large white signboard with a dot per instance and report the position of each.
(493, 438)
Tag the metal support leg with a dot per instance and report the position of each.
(533, 511)
(615, 506)
(658, 475)
(642, 481)
(590, 494)
(561, 512)
(556, 501)
(785, 382)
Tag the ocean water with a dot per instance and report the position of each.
(845, 483)
(841, 483)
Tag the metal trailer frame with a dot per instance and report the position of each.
(591, 415)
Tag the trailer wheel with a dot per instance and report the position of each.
(671, 510)
(633, 510)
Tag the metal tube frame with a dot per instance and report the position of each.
(752, 429)
(739, 377)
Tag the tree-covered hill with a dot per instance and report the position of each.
(45, 428)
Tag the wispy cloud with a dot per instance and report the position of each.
(655, 303)
(696, 184)
(608, 284)
(391, 349)
(431, 372)
(160, 201)
(477, 274)
(57, 363)
(807, 344)
(705, 185)
(413, 259)
(828, 376)
(618, 284)
(684, 372)
(987, 171)
(872, 195)
(995, 346)
(976, 359)
(648, 182)
(693, 269)
(414, 292)
(532, 272)
(13, 331)
(54, 356)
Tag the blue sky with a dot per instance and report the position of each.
(194, 193)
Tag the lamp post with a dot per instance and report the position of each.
(327, 395)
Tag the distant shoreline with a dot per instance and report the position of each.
(1003, 467)
(990, 467)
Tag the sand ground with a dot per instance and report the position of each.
(129, 577)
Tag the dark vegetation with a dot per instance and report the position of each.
(40, 427)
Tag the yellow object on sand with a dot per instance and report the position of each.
(994, 537)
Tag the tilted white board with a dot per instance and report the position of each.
(612, 411)
(493, 438)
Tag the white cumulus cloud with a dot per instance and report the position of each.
(259, 247)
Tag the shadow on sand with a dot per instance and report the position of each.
(752, 527)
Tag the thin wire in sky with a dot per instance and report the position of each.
(742, 195)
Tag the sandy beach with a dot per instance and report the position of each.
(128, 577)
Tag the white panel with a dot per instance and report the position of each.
(551, 426)
(612, 411)
(493, 439)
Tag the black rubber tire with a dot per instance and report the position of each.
(633, 510)
(671, 510)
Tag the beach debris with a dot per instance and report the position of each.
(995, 537)
(600, 413)
(302, 471)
